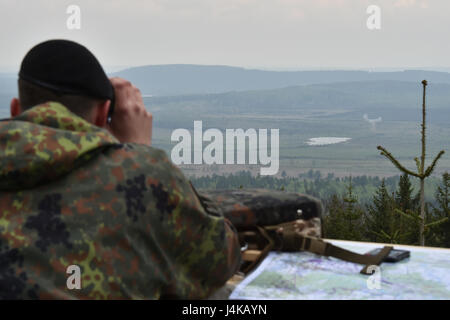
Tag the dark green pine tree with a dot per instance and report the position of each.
(379, 214)
(353, 214)
(439, 234)
(403, 197)
(344, 219)
(406, 226)
(333, 223)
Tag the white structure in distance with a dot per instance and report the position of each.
(323, 141)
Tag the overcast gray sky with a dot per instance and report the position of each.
(250, 33)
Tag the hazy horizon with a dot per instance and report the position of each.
(114, 69)
(256, 34)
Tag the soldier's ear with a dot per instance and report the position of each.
(15, 107)
(101, 113)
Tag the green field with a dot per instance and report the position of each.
(307, 116)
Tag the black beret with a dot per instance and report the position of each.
(66, 67)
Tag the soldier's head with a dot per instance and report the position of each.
(68, 73)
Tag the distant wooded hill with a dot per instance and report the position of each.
(187, 79)
(232, 89)
(392, 100)
(179, 79)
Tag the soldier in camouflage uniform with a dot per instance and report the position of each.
(79, 191)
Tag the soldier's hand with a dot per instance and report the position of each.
(130, 122)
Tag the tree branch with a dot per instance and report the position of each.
(417, 163)
(430, 169)
(436, 222)
(405, 214)
(388, 155)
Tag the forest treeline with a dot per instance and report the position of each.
(361, 208)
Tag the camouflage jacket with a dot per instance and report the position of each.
(71, 194)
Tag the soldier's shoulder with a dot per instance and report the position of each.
(143, 159)
(137, 153)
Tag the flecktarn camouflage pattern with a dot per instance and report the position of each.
(71, 194)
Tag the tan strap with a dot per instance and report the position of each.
(291, 241)
(379, 258)
(257, 256)
(294, 240)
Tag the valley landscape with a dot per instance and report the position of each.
(304, 106)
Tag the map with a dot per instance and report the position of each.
(303, 276)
